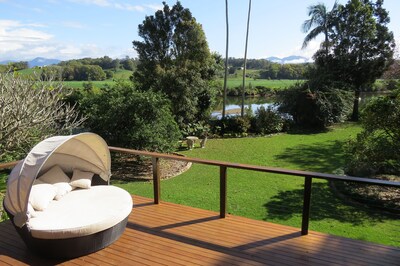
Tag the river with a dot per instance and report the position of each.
(233, 104)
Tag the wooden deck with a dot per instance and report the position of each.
(171, 234)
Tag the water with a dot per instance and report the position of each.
(233, 105)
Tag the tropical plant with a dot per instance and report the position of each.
(32, 109)
(323, 22)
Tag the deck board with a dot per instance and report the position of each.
(172, 234)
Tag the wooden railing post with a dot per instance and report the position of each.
(222, 191)
(306, 205)
(156, 179)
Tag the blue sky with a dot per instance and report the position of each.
(67, 29)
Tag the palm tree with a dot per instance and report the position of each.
(321, 20)
(226, 59)
(245, 61)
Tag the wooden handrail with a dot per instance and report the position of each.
(260, 168)
(308, 176)
(8, 165)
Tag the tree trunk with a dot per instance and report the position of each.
(355, 115)
(245, 61)
(226, 60)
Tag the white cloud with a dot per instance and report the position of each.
(16, 36)
(154, 7)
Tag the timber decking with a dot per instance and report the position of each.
(171, 234)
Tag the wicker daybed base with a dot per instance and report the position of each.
(71, 247)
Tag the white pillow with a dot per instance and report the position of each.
(41, 195)
(59, 179)
(81, 179)
(31, 211)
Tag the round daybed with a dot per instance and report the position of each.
(60, 201)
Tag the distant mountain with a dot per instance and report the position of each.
(41, 61)
(38, 61)
(293, 59)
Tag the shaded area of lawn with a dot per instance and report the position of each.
(318, 157)
(325, 205)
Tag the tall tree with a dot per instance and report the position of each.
(362, 46)
(174, 58)
(226, 59)
(245, 60)
(322, 21)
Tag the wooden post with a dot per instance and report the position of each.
(156, 179)
(222, 191)
(306, 205)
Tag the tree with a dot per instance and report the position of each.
(362, 46)
(31, 110)
(226, 59)
(245, 61)
(126, 117)
(322, 21)
(174, 59)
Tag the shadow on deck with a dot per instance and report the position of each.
(171, 234)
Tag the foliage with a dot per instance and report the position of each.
(361, 47)
(314, 107)
(268, 121)
(128, 118)
(376, 150)
(14, 66)
(104, 62)
(199, 129)
(235, 125)
(31, 109)
(174, 59)
(75, 72)
(322, 20)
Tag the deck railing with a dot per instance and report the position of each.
(308, 177)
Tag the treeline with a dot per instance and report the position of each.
(270, 70)
(13, 66)
(88, 69)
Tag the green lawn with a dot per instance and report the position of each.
(278, 198)
(269, 83)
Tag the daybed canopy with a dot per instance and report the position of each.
(86, 151)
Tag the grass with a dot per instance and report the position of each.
(269, 83)
(278, 198)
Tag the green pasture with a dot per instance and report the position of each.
(269, 83)
(277, 198)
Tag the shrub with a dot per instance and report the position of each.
(128, 118)
(267, 121)
(231, 126)
(376, 150)
(31, 110)
(314, 108)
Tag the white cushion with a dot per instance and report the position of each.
(82, 212)
(41, 195)
(81, 179)
(59, 179)
(31, 211)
